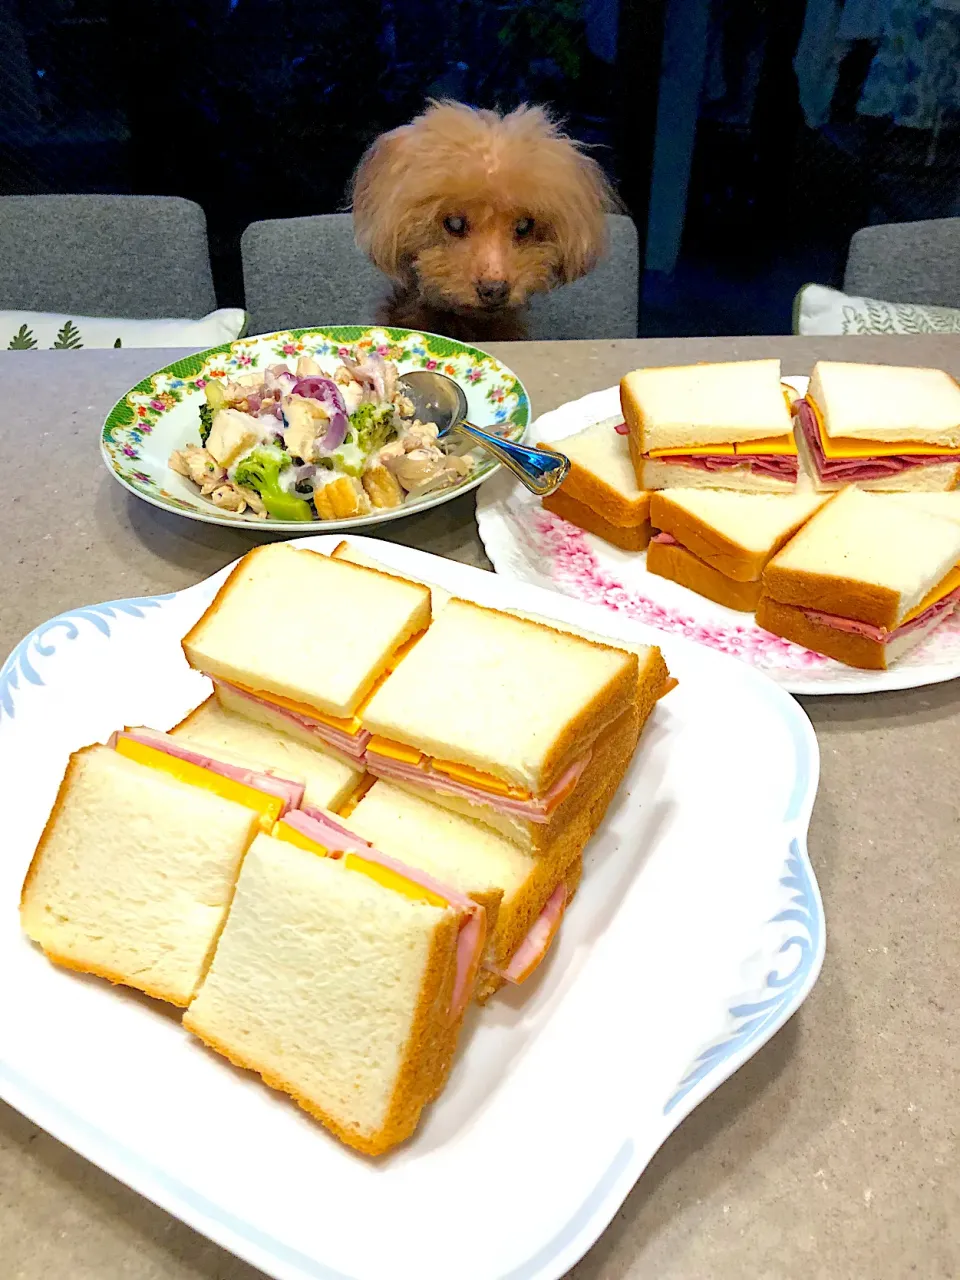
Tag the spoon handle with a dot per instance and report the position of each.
(541, 470)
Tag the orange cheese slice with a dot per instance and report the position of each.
(949, 583)
(394, 750)
(356, 795)
(349, 724)
(476, 778)
(845, 447)
(774, 446)
(391, 879)
(281, 831)
(267, 806)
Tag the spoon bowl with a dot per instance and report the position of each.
(437, 398)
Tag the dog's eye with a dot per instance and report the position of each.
(455, 224)
(523, 228)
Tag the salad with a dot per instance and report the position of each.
(302, 445)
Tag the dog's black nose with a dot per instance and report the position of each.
(493, 292)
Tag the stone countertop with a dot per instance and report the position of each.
(833, 1152)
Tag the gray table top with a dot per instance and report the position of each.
(833, 1152)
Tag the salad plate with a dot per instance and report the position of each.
(697, 932)
(161, 414)
(527, 543)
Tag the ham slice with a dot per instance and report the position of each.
(943, 607)
(779, 466)
(351, 745)
(289, 790)
(536, 809)
(473, 918)
(851, 470)
(537, 942)
(667, 540)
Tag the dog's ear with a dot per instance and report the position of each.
(581, 198)
(376, 199)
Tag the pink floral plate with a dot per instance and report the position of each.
(527, 543)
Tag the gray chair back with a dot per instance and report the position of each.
(303, 271)
(907, 262)
(137, 257)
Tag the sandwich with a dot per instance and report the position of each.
(945, 504)
(717, 542)
(136, 867)
(298, 639)
(342, 979)
(711, 426)
(524, 897)
(330, 781)
(511, 722)
(600, 492)
(880, 427)
(865, 581)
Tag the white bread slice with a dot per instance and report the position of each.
(629, 537)
(945, 505)
(735, 533)
(330, 781)
(930, 478)
(134, 874)
(866, 557)
(336, 990)
(601, 474)
(306, 627)
(887, 402)
(509, 697)
(512, 885)
(675, 562)
(353, 554)
(683, 406)
(653, 474)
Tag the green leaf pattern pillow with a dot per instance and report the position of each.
(818, 310)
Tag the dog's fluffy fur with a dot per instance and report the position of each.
(470, 212)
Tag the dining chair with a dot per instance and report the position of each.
(906, 262)
(306, 271)
(140, 257)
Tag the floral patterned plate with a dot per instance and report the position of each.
(160, 413)
(526, 542)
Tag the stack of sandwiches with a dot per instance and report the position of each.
(391, 808)
(717, 542)
(865, 581)
(880, 427)
(600, 493)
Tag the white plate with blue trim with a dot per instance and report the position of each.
(697, 932)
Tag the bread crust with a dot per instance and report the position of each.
(792, 623)
(610, 506)
(426, 1062)
(629, 537)
(669, 560)
(829, 593)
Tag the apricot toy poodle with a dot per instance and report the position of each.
(470, 213)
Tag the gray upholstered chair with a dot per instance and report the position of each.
(906, 262)
(303, 271)
(139, 257)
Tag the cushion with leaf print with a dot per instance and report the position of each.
(43, 330)
(819, 310)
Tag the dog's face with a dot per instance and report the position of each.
(477, 212)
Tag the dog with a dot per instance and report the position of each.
(471, 212)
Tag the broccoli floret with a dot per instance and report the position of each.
(206, 422)
(260, 470)
(373, 424)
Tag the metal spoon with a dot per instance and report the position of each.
(437, 398)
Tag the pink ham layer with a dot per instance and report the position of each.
(850, 470)
(473, 926)
(351, 745)
(536, 809)
(781, 468)
(881, 634)
(667, 539)
(288, 789)
(537, 942)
